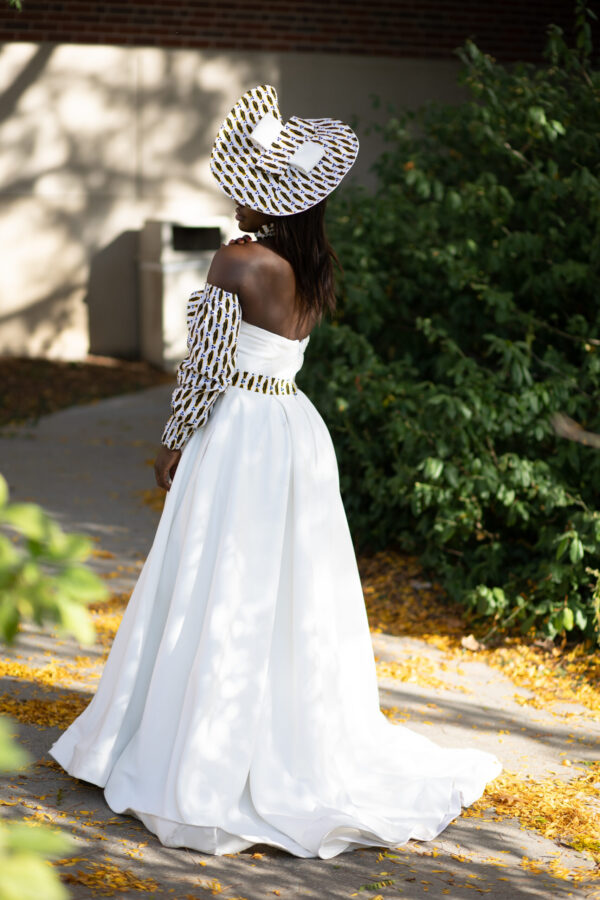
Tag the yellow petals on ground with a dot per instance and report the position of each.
(556, 809)
(154, 498)
(415, 670)
(45, 713)
(213, 885)
(106, 879)
(50, 675)
(401, 601)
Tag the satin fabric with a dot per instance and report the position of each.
(239, 702)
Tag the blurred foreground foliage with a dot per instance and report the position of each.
(42, 578)
(468, 316)
(42, 573)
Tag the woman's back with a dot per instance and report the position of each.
(265, 285)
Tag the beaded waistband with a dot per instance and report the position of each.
(263, 384)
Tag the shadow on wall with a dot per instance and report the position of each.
(112, 299)
(27, 77)
(46, 318)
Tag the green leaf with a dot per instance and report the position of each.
(562, 546)
(28, 519)
(8, 555)
(3, 491)
(453, 200)
(12, 755)
(499, 597)
(69, 547)
(537, 115)
(81, 584)
(19, 836)
(9, 618)
(576, 550)
(24, 876)
(76, 620)
(433, 468)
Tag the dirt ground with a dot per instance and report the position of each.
(32, 387)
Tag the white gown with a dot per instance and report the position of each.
(239, 702)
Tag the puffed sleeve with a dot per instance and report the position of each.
(213, 317)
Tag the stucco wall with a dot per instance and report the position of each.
(94, 140)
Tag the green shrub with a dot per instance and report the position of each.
(41, 578)
(469, 314)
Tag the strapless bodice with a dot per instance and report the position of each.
(267, 353)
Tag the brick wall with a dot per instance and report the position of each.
(508, 29)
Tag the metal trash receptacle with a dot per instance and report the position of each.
(173, 261)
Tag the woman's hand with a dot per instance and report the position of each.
(241, 240)
(165, 466)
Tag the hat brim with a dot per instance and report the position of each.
(281, 189)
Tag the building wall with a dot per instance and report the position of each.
(430, 29)
(97, 139)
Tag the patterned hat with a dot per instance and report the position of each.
(279, 168)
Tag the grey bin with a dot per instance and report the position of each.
(174, 261)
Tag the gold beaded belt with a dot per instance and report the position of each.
(263, 384)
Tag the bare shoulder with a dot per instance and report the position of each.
(234, 265)
(226, 267)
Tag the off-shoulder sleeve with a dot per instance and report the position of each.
(213, 317)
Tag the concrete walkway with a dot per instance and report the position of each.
(90, 466)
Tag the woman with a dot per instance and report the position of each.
(239, 703)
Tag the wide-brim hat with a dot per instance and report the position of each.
(276, 167)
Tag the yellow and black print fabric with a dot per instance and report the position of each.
(266, 179)
(213, 316)
(263, 384)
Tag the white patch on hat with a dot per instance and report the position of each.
(307, 156)
(267, 131)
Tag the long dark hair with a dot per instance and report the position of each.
(301, 239)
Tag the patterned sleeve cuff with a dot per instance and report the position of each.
(175, 435)
(213, 317)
